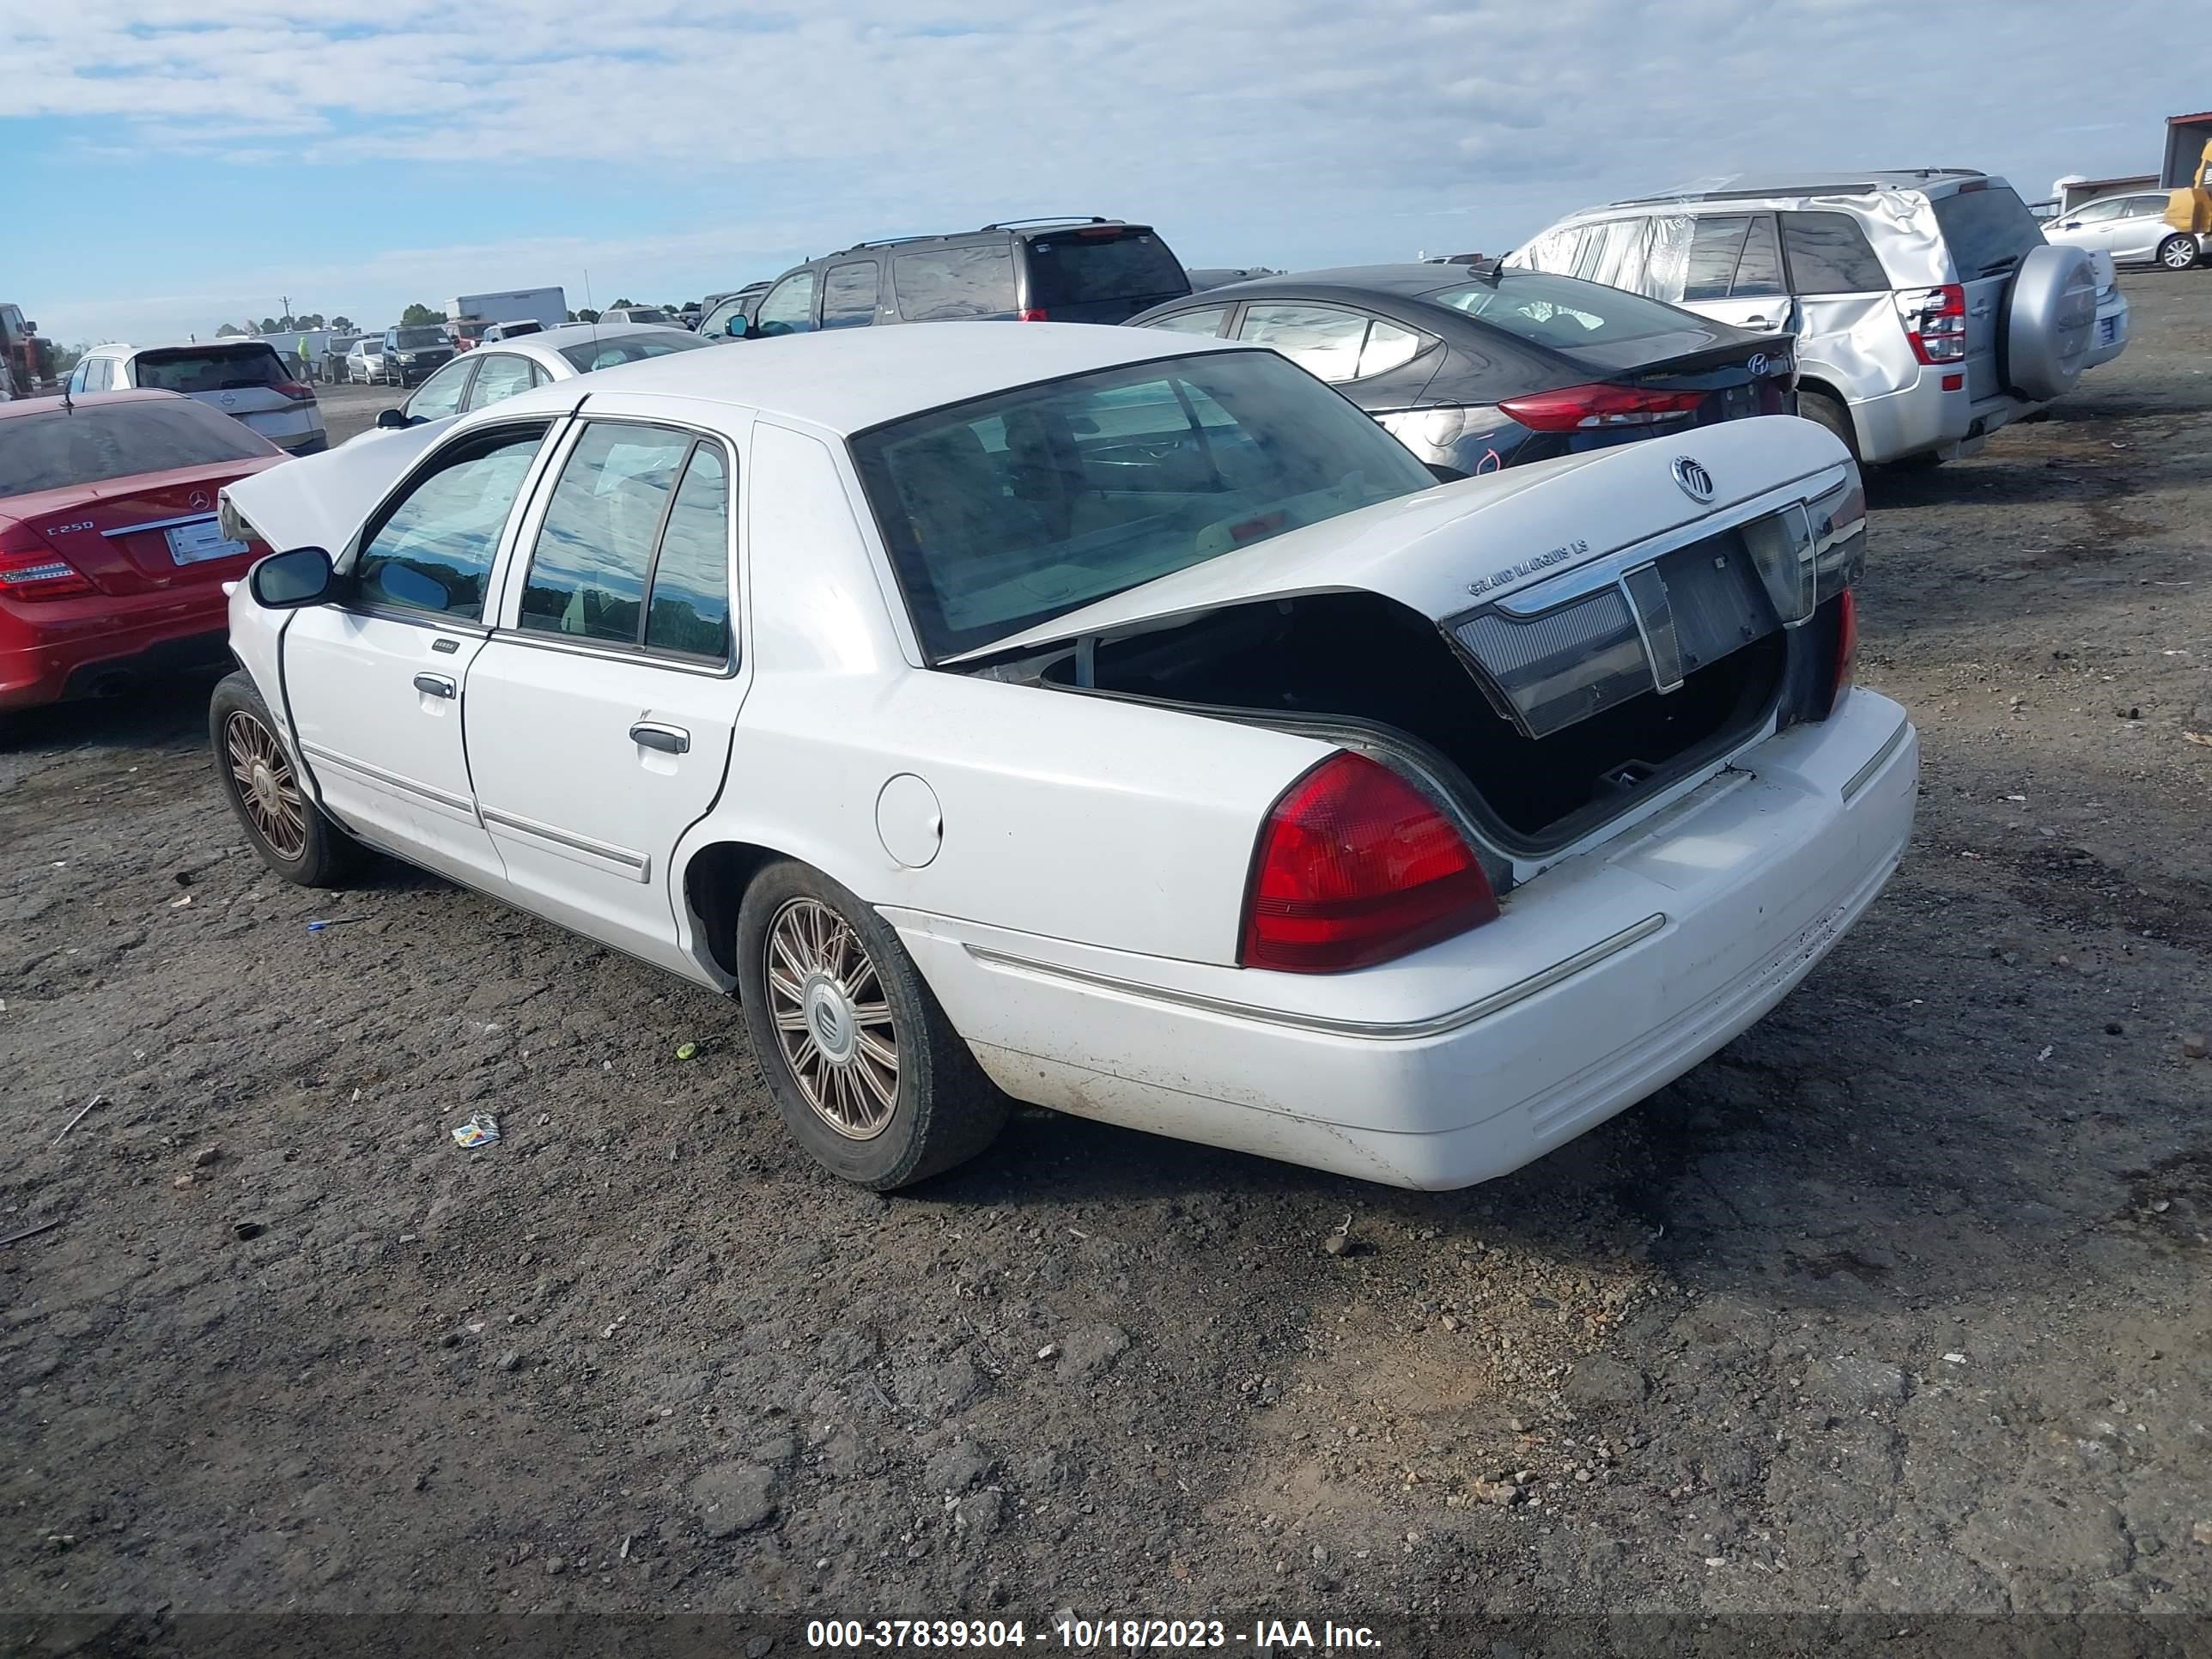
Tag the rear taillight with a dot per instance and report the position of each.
(31, 569)
(1935, 323)
(1355, 866)
(1847, 644)
(1583, 407)
(298, 391)
(1031, 314)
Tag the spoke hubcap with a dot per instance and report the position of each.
(266, 787)
(833, 1021)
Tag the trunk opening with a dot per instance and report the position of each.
(1361, 656)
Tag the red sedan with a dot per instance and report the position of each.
(112, 567)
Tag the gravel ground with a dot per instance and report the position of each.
(1897, 1305)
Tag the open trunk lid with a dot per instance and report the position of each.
(1445, 551)
(1550, 650)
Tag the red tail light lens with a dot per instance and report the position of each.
(1354, 867)
(1582, 407)
(1935, 323)
(31, 569)
(1847, 644)
(298, 391)
(1031, 314)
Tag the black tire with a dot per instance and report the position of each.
(1926, 461)
(325, 855)
(2178, 253)
(1819, 406)
(942, 1110)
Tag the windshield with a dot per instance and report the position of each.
(1079, 266)
(209, 368)
(1563, 311)
(410, 339)
(1026, 504)
(645, 314)
(630, 348)
(56, 449)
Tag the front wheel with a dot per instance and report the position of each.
(2178, 253)
(259, 779)
(866, 1067)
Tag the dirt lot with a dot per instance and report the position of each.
(1898, 1305)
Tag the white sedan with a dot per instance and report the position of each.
(496, 370)
(1090, 717)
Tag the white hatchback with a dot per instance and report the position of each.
(1092, 718)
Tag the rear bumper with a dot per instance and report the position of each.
(91, 647)
(1467, 1060)
(1915, 420)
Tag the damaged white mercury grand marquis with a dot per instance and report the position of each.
(1122, 724)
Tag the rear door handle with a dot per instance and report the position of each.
(436, 685)
(668, 739)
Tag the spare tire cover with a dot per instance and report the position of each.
(2051, 321)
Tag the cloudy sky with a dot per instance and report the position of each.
(174, 164)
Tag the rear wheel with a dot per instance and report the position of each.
(264, 788)
(2178, 253)
(866, 1067)
(1831, 412)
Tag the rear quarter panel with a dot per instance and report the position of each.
(1063, 814)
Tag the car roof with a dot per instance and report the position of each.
(50, 404)
(1407, 282)
(846, 380)
(119, 348)
(1930, 181)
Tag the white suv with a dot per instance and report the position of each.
(244, 378)
(1928, 309)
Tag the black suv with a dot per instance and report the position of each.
(1061, 270)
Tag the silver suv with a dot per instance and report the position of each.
(1928, 309)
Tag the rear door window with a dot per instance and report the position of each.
(629, 497)
(849, 295)
(1078, 267)
(1207, 320)
(1322, 340)
(1830, 254)
(1988, 230)
(209, 369)
(948, 284)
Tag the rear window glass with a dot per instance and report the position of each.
(1563, 311)
(1830, 254)
(976, 282)
(629, 348)
(209, 368)
(55, 450)
(1987, 230)
(1015, 507)
(1078, 268)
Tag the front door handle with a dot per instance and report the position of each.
(436, 685)
(668, 739)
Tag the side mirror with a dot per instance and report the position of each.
(736, 328)
(285, 581)
(392, 420)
